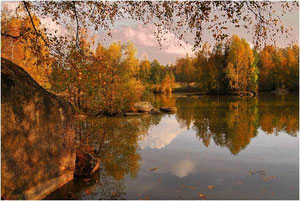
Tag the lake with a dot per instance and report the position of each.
(214, 147)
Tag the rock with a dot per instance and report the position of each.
(143, 106)
(155, 111)
(127, 114)
(250, 94)
(280, 91)
(86, 162)
(244, 93)
(37, 137)
(168, 109)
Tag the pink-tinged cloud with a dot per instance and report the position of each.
(128, 31)
(173, 45)
(141, 35)
(145, 41)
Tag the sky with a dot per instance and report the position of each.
(147, 45)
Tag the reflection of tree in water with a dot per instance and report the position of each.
(161, 100)
(229, 123)
(232, 122)
(186, 108)
(242, 121)
(279, 113)
(110, 189)
(115, 141)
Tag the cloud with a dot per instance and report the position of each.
(173, 45)
(145, 40)
(162, 134)
(183, 168)
(140, 35)
(128, 31)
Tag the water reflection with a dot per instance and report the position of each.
(279, 113)
(162, 134)
(229, 123)
(115, 142)
(232, 122)
(216, 121)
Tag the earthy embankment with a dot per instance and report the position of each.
(37, 137)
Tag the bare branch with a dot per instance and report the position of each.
(77, 25)
(32, 22)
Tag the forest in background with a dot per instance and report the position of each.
(111, 79)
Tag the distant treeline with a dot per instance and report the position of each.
(234, 66)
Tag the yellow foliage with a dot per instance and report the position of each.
(21, 51)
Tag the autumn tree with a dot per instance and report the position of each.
(168, 82)
(28, 52)
(240, 69)
(119, 86)
(144, 71)
(204, 69)
(292, 76)
(156, 72)
(279, 68)
(267, 68)
(185, 70)
(218, 62)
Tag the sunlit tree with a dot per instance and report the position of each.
(240, 69)
(28, 52)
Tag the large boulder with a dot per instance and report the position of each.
(143, 106)
(37, 137)
(87, 162)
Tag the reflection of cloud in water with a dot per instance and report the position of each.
(183, 168)
(162, 134)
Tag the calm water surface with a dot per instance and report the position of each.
(212, 148)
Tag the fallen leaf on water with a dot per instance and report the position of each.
(191, 187)
(251, 173)
(86, 179)
(202, 196)
(72, 195)
(262, 172)
(210, 187)
(153, 169)
(267, 178)
(88, 192)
